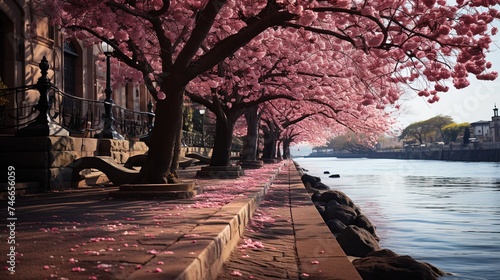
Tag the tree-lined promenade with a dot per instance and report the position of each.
(307, 69)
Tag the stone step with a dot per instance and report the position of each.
(220, 172)
(22, 188)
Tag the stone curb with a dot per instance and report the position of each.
(318, 251)
(201, 253)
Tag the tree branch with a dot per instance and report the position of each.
(200, 100)
(198, 35)
(231, 44)
(263, 99)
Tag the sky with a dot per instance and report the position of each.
(471, 104)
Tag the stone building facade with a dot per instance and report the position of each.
(25, 38)
(481, 131)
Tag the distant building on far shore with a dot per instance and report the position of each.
(487, 131)
(481, 131)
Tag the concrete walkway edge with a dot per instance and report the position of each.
(219, 235)
(318, 252)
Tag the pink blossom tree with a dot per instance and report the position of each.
(173, 42)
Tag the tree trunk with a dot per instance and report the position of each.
(269, 144)
(177, 153)
(165, 134)
(278, 150)
(250, 148)
(286, 149)
(221, 154)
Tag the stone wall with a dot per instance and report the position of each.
(120, 150)
(41, 163)
(487, 155)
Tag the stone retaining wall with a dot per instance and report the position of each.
(41, 163)
(488, 155)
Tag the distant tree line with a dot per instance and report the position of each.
(436, 129)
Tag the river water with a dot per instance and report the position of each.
(441, 212)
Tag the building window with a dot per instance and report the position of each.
(70, 57)
(52, 32)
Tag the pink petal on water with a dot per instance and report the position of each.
(321, 252)
(158, 270)
(315, 262)
(304, 275)
(46, 267)
(160, 263)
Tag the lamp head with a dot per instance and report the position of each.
(107, 49)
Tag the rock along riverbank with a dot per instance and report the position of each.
(358, 238)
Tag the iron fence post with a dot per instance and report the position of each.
(40, 126)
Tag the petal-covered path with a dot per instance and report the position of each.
(267, 249)
(85, 234)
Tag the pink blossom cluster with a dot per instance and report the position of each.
(348, 61)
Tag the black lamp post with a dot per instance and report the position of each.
(109, 130)
(202, 113)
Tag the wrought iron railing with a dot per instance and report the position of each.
(85, 116)
(17, 107)
(194, 139)
(31, 110)
(77, 115)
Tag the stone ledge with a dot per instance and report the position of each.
(22, 188)
(317, 249)
(181, 190)
(220, 172)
